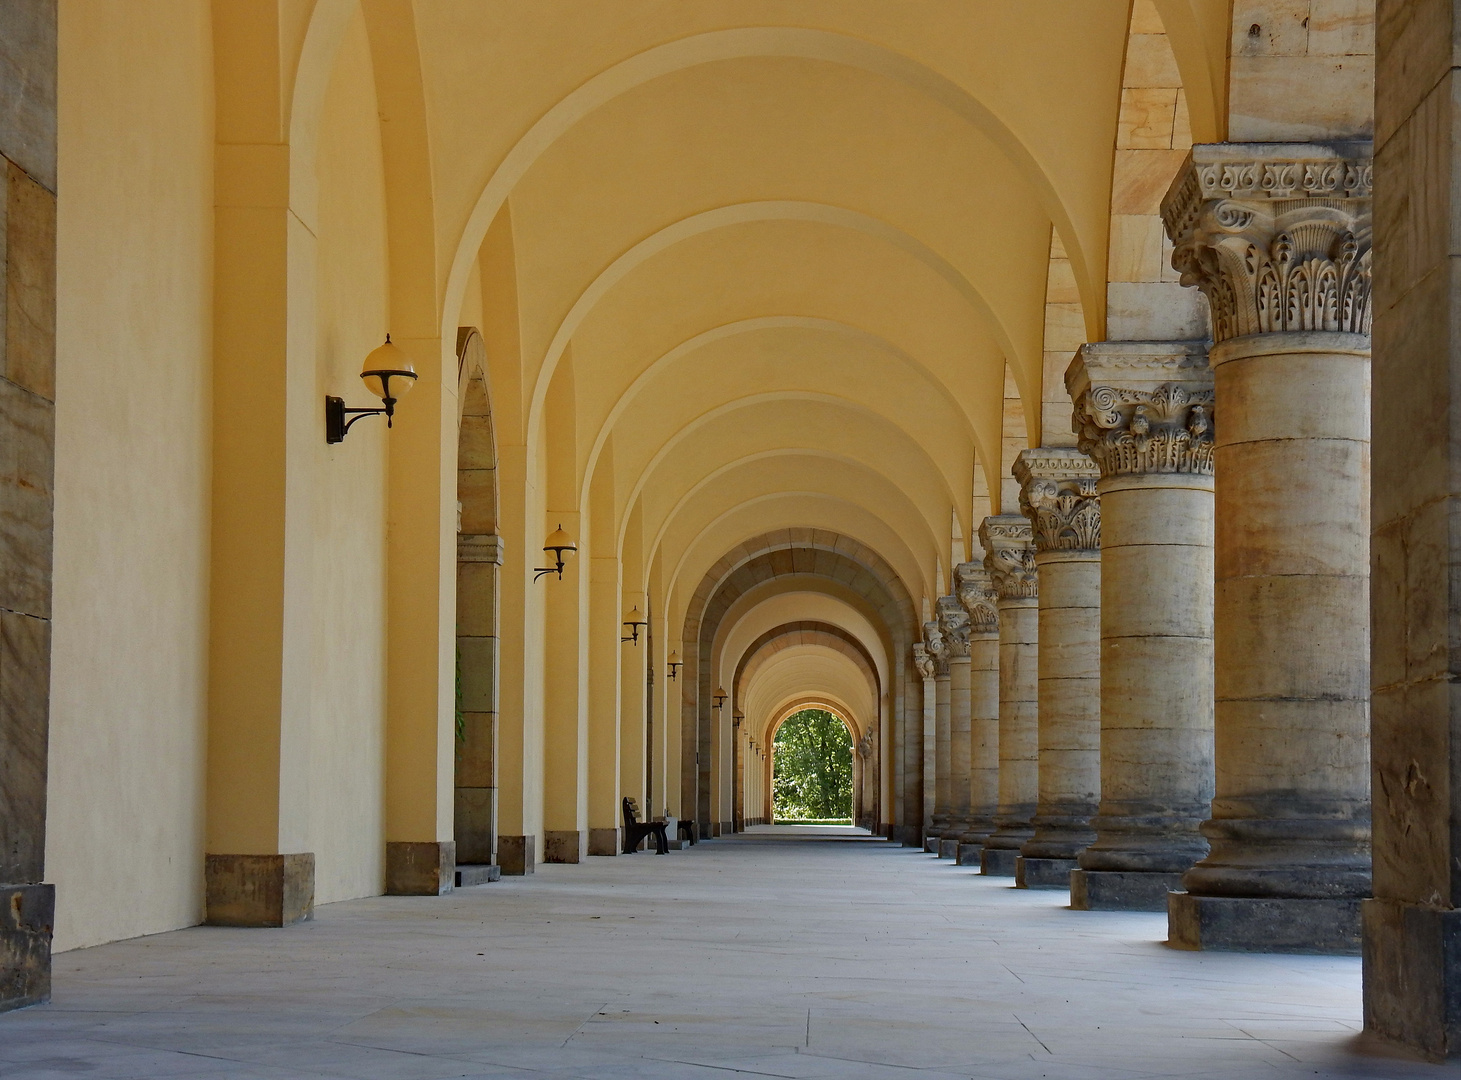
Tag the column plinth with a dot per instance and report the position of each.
(1144, 414)
(1278, 239)
(1010, 559)
(1058, 496)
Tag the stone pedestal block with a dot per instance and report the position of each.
(477, 874)
(259, 890)
(420, 868)
(1032, 873)
(908, 835)
(998, 862)
(517, 855)
(605, 841)
(931, 842)
(566, 845)
(948, 848)
(27, 914)
(1117, 890)
(970, 854)
(1263, 924)
(1413, 975)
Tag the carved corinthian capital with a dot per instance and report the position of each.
(937, 647)
(1058, 496)
(922, 661)
(1009, 556)
(1276, 235)
(975, 590)
(1143, 406)
(953, 624)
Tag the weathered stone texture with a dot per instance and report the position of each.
(28, 87)
(420, 868)
(259, 890)
(27, 914)
(25, 653)
(30, 284)
(571, 845)
(517, 855)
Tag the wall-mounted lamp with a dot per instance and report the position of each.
(737, 718)
(673, 663)
(383, 365)
(633, 620)
(720, 695)
(557, 545)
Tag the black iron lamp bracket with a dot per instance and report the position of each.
(336, 423)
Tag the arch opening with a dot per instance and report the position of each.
(812, 769)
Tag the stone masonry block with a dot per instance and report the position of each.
(27, 465)
(25, 654)
(259, 890)
(27, 914)
(420, 868)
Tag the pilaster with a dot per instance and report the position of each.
(975, 590)
(1277, 237)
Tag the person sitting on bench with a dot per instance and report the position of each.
(635, 830)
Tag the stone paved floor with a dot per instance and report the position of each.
(762, 955)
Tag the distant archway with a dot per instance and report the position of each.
(812, 764)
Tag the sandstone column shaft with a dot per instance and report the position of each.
(1058, 496)
(1011, 561)
(1143, 412)
(977, 596)
(1278, 238)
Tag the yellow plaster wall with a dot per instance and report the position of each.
(347, 683)
(124, 841)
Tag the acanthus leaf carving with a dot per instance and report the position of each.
(1058, 496)
(1132, 432)
(1276, 245)
(975, 590)
(922, 660)
(953, 622)
(1009, 556)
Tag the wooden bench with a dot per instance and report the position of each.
(635, 830)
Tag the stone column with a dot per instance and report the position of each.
(938, 649)
(1412, 927)
(1010, 559)
(1277, 236)
(1058, 496)
(954, 627)
(1143, 413)
(914, 835)
(976, 594)
(479, 562)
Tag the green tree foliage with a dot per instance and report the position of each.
(813, 763)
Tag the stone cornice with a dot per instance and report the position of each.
(1058, 496)
(1009, 557)
(974, 587)
(479, 547)
(1276, 235)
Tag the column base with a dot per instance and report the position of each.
(1121, 890)
(469, 874)
(948, 847)
(517, 855)
(259, 890)
(930, 843)
(1043, 873)
(1267, 924)
(1413, 976)
(907, 835)
(565, 845)
(420, 868)
(998, 862)
(605, 841)
(969, 854)
(27, 914)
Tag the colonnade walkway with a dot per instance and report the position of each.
(756, 955)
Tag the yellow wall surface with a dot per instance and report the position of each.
(129, 662)
(347, 685)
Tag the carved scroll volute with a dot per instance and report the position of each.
(1276, 236)
(937, 647)
(1010, 556)
(953, 622)
(1058, 497)
(975, 590)
(922, 661)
